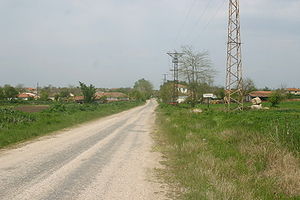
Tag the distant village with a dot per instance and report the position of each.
(73, 94)
(70, 94)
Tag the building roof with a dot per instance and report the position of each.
(293, 89)
(260, 93)
(104, 94)
(30, 89)
(26, 95)
(78, 98)
(111, 94)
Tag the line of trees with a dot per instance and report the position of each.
(8, 92)
(141, 91)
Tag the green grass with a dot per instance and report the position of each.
(231, 155)
(17, 126)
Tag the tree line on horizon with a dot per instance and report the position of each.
(142, 90)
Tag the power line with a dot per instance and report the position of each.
(199, 19)
(211, 19)
(184, 21)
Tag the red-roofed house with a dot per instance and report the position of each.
(294, 91)
(110, 97)
(31, 90)
(26, 96)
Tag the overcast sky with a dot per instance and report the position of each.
(113, 43)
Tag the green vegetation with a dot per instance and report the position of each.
(142, 90)
(196, 69)
(275, 98)
(17, 126)
(8, 92)
(88, 92)
(253, 154)
(166, 91)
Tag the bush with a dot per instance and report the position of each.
(275, 98)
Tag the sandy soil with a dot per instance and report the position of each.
(110, 158)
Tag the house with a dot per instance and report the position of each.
(182, 88)
(26, 96)
(263, 95)
(183, 93)
(78, 99)
(112, 96)
(109, 97)
(31, 90)
(294, 91)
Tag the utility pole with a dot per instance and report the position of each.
(175, 60)
(234, 80)
(165, 78)
(37, 90)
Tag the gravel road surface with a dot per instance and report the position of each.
(109, 158)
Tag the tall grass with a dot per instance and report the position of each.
(232, 155)
(17, 126)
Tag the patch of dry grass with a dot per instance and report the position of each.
(284, 167)
(278, 163)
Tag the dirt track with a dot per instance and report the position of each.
(109, 158)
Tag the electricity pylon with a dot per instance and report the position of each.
(175, 60)
(234, 80)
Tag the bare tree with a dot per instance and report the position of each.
(248, 86)
(196, 69)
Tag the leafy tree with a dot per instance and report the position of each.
(165, 92)
(196, 69)
(56, 97)
(88, 92)
(219, 92)
(144, 87)
(64, 93)
(275, 98)
(10, 92)
(137, 95)
(1, 93)
(44, 95)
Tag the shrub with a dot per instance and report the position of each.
(275, 98)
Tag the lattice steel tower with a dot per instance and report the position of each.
(234, 80)
(175, 60)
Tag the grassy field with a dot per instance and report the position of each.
(22, 122)
(231, 155)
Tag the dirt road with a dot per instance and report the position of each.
(109, 158)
